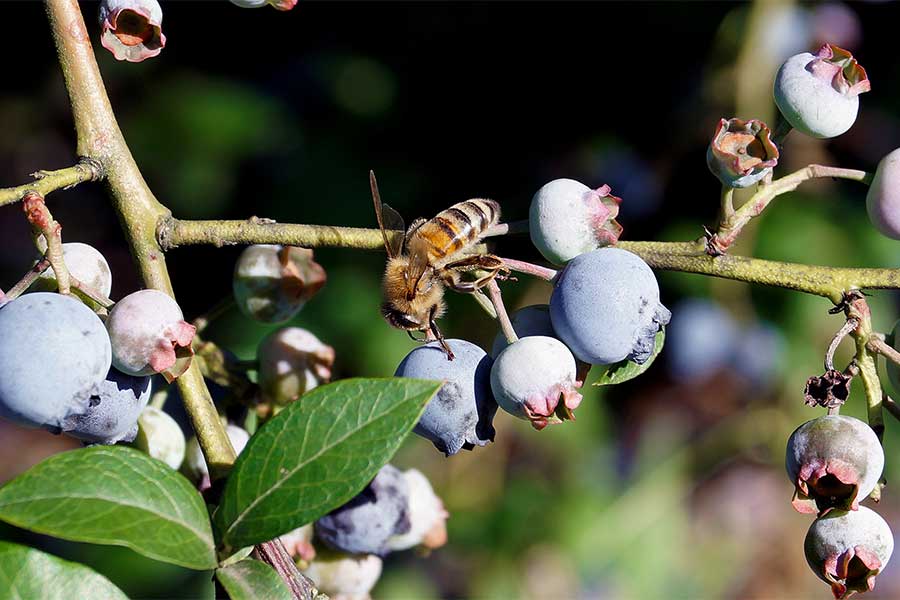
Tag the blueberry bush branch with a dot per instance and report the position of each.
(49, 181)
(101, 141)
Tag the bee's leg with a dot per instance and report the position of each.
(495, 267)
(437, 334)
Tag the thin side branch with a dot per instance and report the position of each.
(879, 346)
(520, 266)
(851, 324)
(49, 181)
(731, 227)
(502, 316)
(49, 231)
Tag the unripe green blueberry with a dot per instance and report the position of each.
(194, 465)
(818, 93)
(427, 516)
(292, 361)
(85, 263)
(344, 576)
(160, 437)
(847, 549)
(272, 283)
(834, 461)
(54, 356)
(535, 379)
(883, 198)
(567, 218)
(149, 335)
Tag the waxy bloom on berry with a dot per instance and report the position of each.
(883, 199)
(818, 93)
(741, 152)
(132, 29)
(276, 4)
(567, 218)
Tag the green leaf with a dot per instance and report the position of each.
(252, 579)
(29, 573)
(316, 454)
(113, 495)
(626, 369)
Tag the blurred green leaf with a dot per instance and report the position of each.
(316, 454)
(113, 495)
(251, 579)
(627, 369)
(29, 573)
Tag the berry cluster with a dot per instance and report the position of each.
(70, 369)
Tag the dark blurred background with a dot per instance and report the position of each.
(669, 486)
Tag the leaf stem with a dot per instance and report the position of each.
(545, 273)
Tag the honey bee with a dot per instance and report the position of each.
(430, 256)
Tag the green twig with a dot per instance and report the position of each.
(50, 181)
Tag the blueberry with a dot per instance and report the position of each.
(298, 543)
(531, 376)
(883, 197)
(118, 35)
(272, 283)
(366, 523)
(701, 339)
(758, 354)
(568, 218)
(113, 412)
(194, 465)
(55, 355)
(344, 577)
(834, 461)
(160, 437)
(818, 94)
(461, 413)
(149, 335)
(605, 307)
(527, 321)
(86, 264)
(292, 361)
(847, 549)
(741, 153)
(427, 516)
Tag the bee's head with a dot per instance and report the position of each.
(403, 319)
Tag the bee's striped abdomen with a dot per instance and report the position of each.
(458, 226)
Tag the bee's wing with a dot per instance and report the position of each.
(388, 220)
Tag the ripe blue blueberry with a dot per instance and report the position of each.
(605, 307)
(113, 412)
(847, 549)
(700, 340)
(461, 413)
(55, 354)
(534, 379)
(366, 523)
